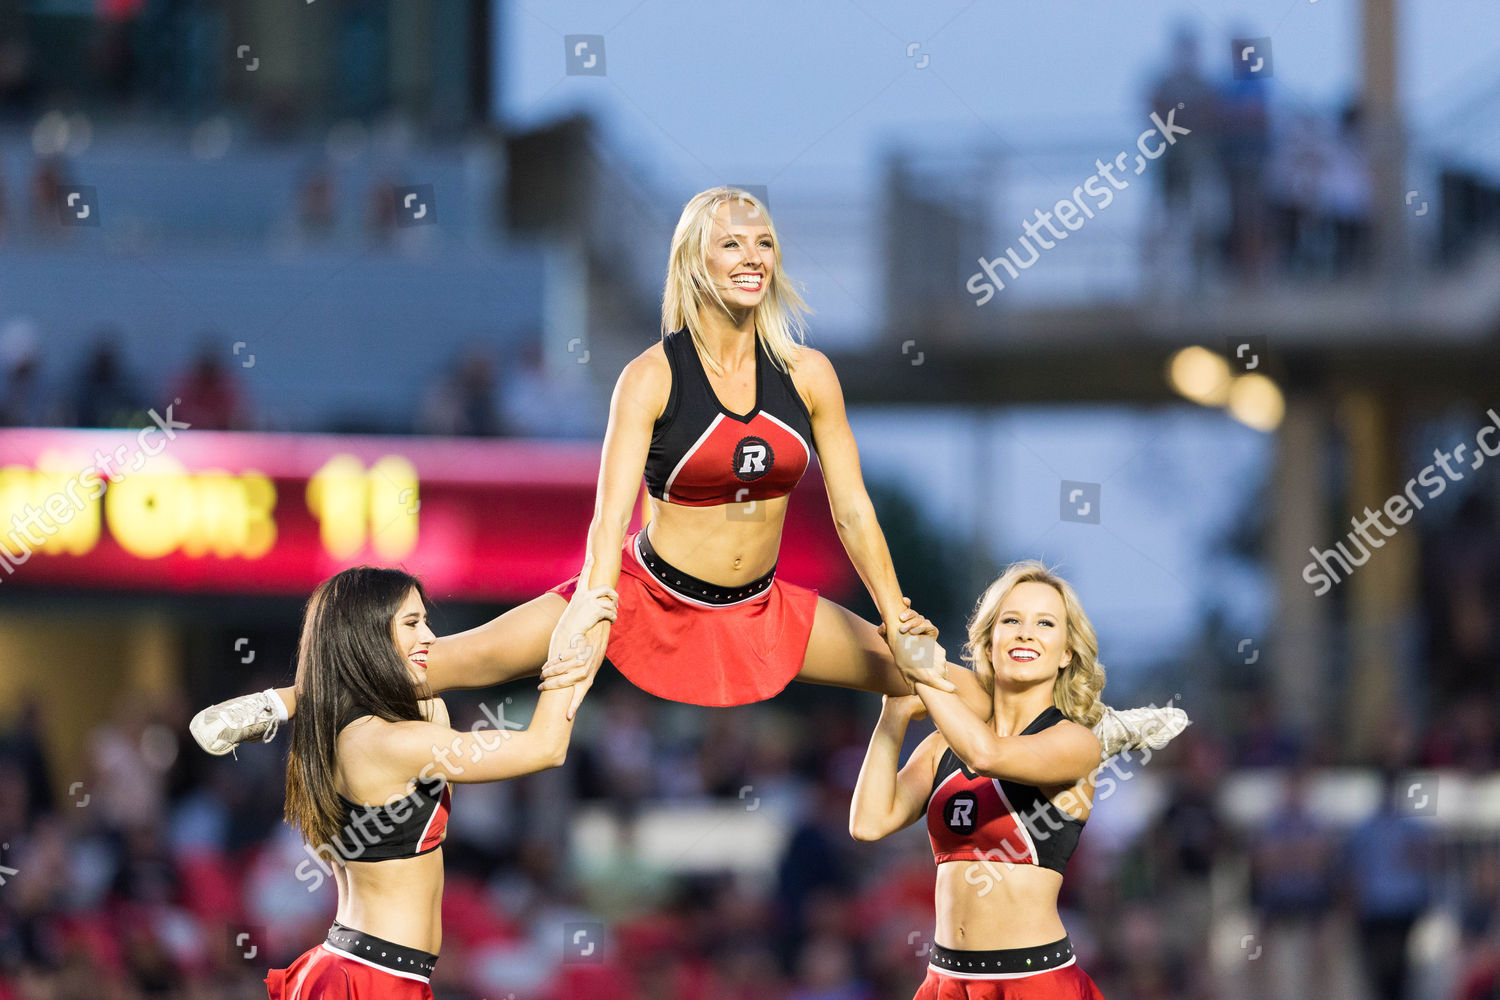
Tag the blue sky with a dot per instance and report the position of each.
(804, 92)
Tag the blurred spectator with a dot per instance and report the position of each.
(1482, 980)
(464, 403)
(527, 404)
(1266, 740)
(1244, 147)
(1188, 838)
(815, 868)
(1184, 94)
(629, 880)
(747, 971)
(1295, 189)
(210, 395)
(1151, 971)
(626, 752)
(17, 82)
(381, 209)
(130, 756)
(1388, 865)
(113, 56)
(1292, 888)
(25, 401)
(1347, 193)
(317, 201)
(22, 748)
(46, 193)
(727, 740)
(1480, 922)
(1479, 904)
(105, 396)
(826, 972)
(537, 402)
(1469, 739)
(1461, 587)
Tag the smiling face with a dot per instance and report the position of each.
(1029, 642)
(741, 255)
(412, 636)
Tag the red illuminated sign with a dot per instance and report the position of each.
(167, 509)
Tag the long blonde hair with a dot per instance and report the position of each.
(778, 317)
(1076, 690)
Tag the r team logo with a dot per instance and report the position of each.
(960, 812)
(753, 458)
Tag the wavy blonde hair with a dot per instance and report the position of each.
(1076, 690)
(779, 315)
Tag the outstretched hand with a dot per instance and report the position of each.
(578, 642)
(916, 651)
(910, 622)
(909, 707)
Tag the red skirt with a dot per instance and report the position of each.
(352, 965)
(1071, 983)
(685, 640)
(959, 975)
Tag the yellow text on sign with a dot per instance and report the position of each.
(355, 505)
(52, 508)
(163, 508)
(155, 509)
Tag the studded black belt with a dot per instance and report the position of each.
(1002, 962)
(685, 585)
(386, 954)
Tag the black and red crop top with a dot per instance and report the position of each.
(702, 455)
(974, 818)
(411, 825)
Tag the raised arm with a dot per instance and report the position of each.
(639, 398)
(1059, 755)
(886, 800)
(854, 514)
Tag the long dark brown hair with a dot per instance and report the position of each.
(345, 657)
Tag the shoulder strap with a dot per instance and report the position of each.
(947, 763)
(1049, 718)
(353, 712)
(672, 347)
(690, 365)
(781, 377)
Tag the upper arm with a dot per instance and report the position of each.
(640, 396)
(434, 750)
(832, 437)
(914, 782)
(1058, 755)
(971, 692)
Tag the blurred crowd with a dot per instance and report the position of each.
(1249, 193)
(37, 209)
(139, 879)
(102, 391)
(474, 396)
(34, 206)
